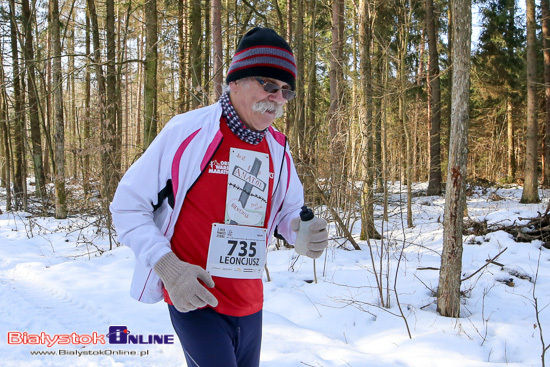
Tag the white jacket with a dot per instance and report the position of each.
(178, 155)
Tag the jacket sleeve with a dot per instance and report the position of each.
(292, 203)
(137, 225)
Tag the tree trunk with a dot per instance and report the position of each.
(109, 130)
(448, 299)
(336, 61)
(4, 142)
(310, 133)
(205, 57)
(59, 136)
(434, 108)
(151, 61)
(196, 52)
(34, 116)
(337, 144)
(72, 98)
(122, 69)
(140, 69)
(545, 5)
(299, 116)
(218, 49)
(530, 186)
(368, 230)
(379, 118)
(449, 71)
(85, 152)
(403, 47)
(181, 61)
(49, 159)
(510, 141)
(187, 62)
(5, 166)
(384, 132)
(101, 96)
(299, 120)
(417, 131)
(19, 179)
(97, 57)
(512, 85)
(5, 158)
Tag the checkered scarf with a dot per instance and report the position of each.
(236, 125)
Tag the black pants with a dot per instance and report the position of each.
(210, 339)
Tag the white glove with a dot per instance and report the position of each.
(317, 236)
(181, 280)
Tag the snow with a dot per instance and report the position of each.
(58, 277)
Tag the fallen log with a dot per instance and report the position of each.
(537, 228)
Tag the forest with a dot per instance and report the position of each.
(86, 86)
(400, 104)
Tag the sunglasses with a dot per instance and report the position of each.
(288, 94)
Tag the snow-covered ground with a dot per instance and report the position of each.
(56, 281)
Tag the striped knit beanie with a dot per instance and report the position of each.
(262, 52)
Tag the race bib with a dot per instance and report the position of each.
(247, 187)
(237, 252)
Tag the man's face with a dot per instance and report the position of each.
(257, 108)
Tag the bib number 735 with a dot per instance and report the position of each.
(245, 248)
(237, 252)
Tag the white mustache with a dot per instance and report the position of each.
(263, 106)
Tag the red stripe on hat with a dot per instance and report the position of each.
(290, 61)
(269, 65)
